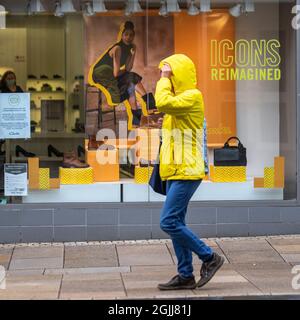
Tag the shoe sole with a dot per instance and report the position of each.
(177, 288)
(198, 285)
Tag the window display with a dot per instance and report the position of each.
(95, 127)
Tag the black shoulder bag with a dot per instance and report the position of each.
(230, 156)
(155, 181)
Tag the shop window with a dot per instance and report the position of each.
(96, 129)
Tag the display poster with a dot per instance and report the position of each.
(15, 179)
(14, 115)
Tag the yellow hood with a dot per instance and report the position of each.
(184, 72)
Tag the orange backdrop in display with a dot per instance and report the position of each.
(192, 36)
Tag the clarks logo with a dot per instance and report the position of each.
(13, 99)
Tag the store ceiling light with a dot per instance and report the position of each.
(249, 6)
(29, 9)
(88, 9)
(35, 6)
(132, 6)
(58, 12)
(2, 17)
(193, 10)
(163, 11)
(236, 10)
(205, 6)
(67, 6)
(99, 6)
(173, 6)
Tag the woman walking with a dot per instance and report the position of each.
(182, 166)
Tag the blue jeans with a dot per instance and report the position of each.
(172, 221)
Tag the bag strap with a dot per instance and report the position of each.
(226, 144)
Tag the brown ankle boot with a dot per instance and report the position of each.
(72, 161)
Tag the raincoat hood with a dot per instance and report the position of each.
(184, 72)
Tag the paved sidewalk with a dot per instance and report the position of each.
(256, 266)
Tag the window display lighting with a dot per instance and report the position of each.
(132, 6)
(88, 9)
(3, 13)
(35, 6)
(58, 12)
(192, 9)
(67, 6)
(173, 6)
(99, 6)
(205, 6)
(163, 11)
(240, 8)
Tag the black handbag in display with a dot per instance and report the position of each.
(155, 181)
(230, 156)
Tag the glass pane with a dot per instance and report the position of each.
(93, 79)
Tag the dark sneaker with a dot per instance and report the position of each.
(178, 283)
(209, 269)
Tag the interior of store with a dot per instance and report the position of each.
(52, 57)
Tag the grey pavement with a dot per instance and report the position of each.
(254, 267)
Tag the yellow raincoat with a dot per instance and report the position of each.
(182, 130)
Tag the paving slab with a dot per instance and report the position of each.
(253, 256)
(138, 284)
(228, 276)
(37, 263)
(91, 286)
(30, 272)
(284, 241)
(90, 256)
(282, 265)
(172, 269)
(291, 257)
(291, 248)
(31, 287)
(156, 254)
(5, 256)
(66, 271)
(244, 245)
(270, 280)
(37, 252)
(227, 289)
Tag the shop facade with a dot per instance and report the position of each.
(247, 63)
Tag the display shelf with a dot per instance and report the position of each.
(131, 192)
(44, 80)
(42, 158)
(69, 135)
(45, 92)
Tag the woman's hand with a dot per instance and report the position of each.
(166, 71)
